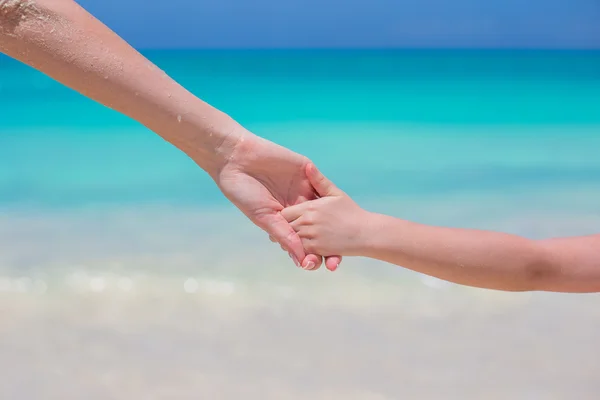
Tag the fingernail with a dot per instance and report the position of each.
(295, 261)
(310, 265)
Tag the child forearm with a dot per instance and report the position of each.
(483, 259)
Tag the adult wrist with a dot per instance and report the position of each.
(209, 140)
(212, 147)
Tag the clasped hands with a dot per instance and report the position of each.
(263, 179)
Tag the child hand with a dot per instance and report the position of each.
(331, 225)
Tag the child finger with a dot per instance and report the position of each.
(294, 212)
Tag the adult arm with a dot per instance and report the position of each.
(62, 40)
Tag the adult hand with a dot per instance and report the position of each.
(261, 179)
(68, 44)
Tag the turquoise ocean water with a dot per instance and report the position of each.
(124, 273)
(463, 138)
(380, 122)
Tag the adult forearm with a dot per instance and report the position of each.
(62, 40)
(470, 257)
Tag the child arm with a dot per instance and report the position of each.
(335, 224)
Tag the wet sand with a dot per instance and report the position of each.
(434, 344)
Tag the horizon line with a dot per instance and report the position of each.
(372, 48)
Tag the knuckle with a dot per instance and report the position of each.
(313, 233)
(310, 247)
(306, 233)
(313, 246)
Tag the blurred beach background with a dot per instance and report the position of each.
(124, 273)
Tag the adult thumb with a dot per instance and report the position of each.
(322, 185)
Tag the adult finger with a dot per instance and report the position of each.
(312, 262)
(280, 230)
